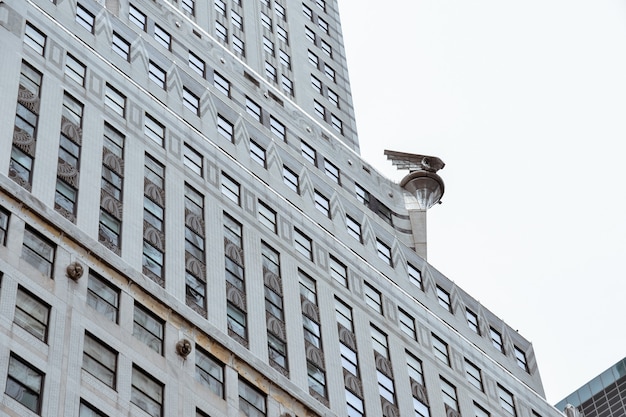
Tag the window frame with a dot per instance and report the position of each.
(25, 385)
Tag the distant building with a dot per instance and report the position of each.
(603, 396)
(187, 228)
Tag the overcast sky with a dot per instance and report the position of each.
(525, 102)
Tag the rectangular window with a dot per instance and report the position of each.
(308, 13)
(225, 128)
(230, 188)
(268, 46)
(75, 70)
(137, 17)
(313, 59)
(195, 278)
(290, 179)
(506, 400)
(115, 100)
(278, 129)
(236, 20)
(444, 298)
(34, 39)
(24, 383)
(154, 130)
(210, 372)
(354, 228)
(416, 375)
(4, 225)
(440, 348)
(251, 401)
(285, 59)
(330, 72)
(162, 37)
(266, 21)
(407, 324)
(373, 298)
(270, 72)
(384, 252)
(88, 410)
(520, 357)
(320, 111)
(280, 10)
(267, 216)
(154, 240)
(257, 153)
(472, 320)
(479, 411)
(326, 48)
(148, 328)
(336, 123)
(191, 101)
(120, 46)
(146, 392)
(322, 203)
(316, 84)
(415, 276)
(310, 35)
(338, 271)
(449, 395)
(220, 7)
(157, 75)
(282, 35)
(362, 194)
(38, 251)
(473, 375)
(496, 339)
(321, 23)
(84, 18)
(221, 84)
(197, 64)
(253, 109)
(221, 32)
(303, 244)
(286, 84)
(236, 322)
(103, 296)
(189, 6)
(238, 46)
(193, 160)
(99, 360)
(333, 97)
(321, 4)
(32, 314)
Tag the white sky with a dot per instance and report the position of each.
(525, 101)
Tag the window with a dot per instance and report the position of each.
(162, 37)
(24, 383)
(4, 225)
(386, 387)
(329, 71)
(236, 19)
(268, 46)
(137, 17)
(354, 228)
(407, 324)
(278, 129)
(415, 276)
(66, 190)
(270, 72)
(267, 216)
(103, 297)
(310, 35)
(225, 128)
(416, 375)
(195, 278)
(506, 400)
(326, 48)
(115, 100)
(336, 123)
(308, 13)
(120, 46)
(320, 111)
(496, 339)
(384, 252)
(282, 34)
(154, 241)
(290, 178)
(84, 18)
(236, 321)
(196, 64)
(520, 357)
(479, 411)
(189, 6)
(191, 101)
(285, 59)
(75, 70)
(221, 84)
(331, 171)
(473, 375)
(99, 360)
(373, 298)
(266, 21)
(34, 38)
(322, 203)
(210, 372)
(257, 153)
(238, 46)
(313, 59)
(472, 320)
(193, 160)
(87, 410)
(220, 7)
(316, 84)
(146, 392)
(148, 328)
(321, 4)
(221, 32)
(31, 314)
(303, 244)
(253, 109)
(440, 348)
(362, 194)
(286, 84)
(444, 298)
(280, 10)
(154, 130)
(230, 188)
(157, 75)
(449, 395)
(38, 251)
(338, 271)
(251, 401)
(333, 97)
(322, 24)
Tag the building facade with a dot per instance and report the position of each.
(603, 396)
(187, 228)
